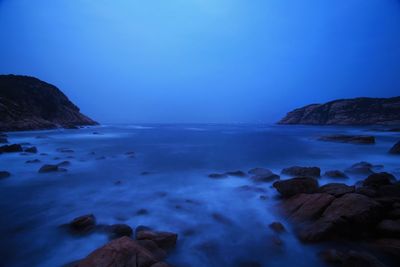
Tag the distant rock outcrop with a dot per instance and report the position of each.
(357, 111)
(26, 103)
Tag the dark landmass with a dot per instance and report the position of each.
(353, 139)
(357, 111)
(27, 103)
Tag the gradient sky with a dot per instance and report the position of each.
(203, 60)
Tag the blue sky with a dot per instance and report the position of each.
(203, 60)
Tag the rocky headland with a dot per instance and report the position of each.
(356, 111)
(27, 103)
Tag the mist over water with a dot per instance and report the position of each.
(203, 61)
(219, 222)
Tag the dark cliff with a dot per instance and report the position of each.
(27, 103)
(357, 111)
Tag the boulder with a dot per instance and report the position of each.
(164, 240)
(4, 174)
(354, 139)
(10, 148)
(122, 252)
(277, 227)
(379, 179)
(337, 189)
(31, 150)
(49, 168)
(82, 224)
(349, 214)
(390, 246)
(395, 149)
(362, 167)
(389, 227)
(263, 175)
(217, 175)
(391, 191)
(302, 171)
(336, 174)
(307, 207)
(120, 230)
(294, 186)
(236, 173)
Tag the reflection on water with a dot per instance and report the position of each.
(219, 222)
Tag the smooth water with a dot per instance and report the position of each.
(218, 223)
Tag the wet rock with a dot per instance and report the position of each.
(124, 252)
(4, 174)
(390, 191)
(379, 179)
(277, 227)
(236, 173)
(31, 150)
(307, 207)
(263, 175)
(221, 219)
(354, 139)
(33, 161)
(294, 186)
(390, 246)
(336, 174)
(160, 264)
(349, 214)
(248, 188)
(217, 175)
(120, 230)
(366, 191)
(389, 227)
(158, 253)
(50, 168)
(302, 171)
(361, 168)
(64, 163)
(10, 148)
(82, 224)
(349, 259)
(337, 189)
(142, 212)
(165, 240)
(395, 149)
(3, 140)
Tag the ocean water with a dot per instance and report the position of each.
(218, 223)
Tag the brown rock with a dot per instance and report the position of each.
(306, 207)
(337, 189)
(122, 252)
(302, 171)
(379, 179)
(120, 230)
(294, 186)
(164, 240)
(83, 224)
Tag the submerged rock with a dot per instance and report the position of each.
(294, 186)
(11, 148)
(236, 173)
(354, 139)
(277, 227)
(302, 171)
(31, 150)
(33, 161)
(395, 149)
(50, 168)
(82, 224)
(3, 140)
(361, 168)
(336, 174)
(4, 174)
(217, 175)
(263, 175)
